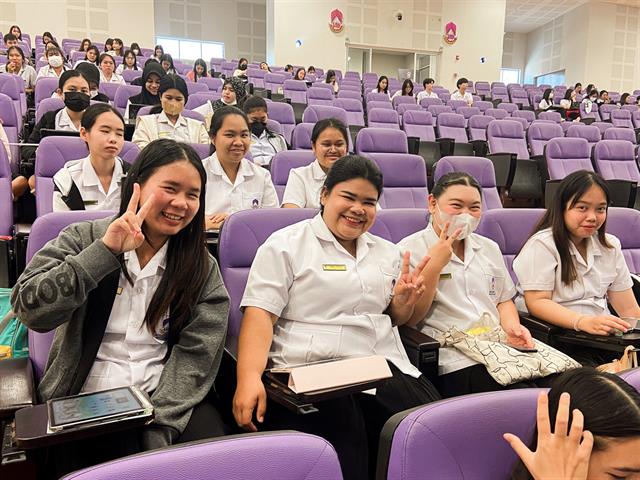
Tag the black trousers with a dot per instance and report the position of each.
(476, 379)
(205, 422)
(352, 424)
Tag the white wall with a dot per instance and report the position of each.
(388, 64)
(131, 20)
(514, 51)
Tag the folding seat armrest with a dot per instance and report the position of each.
(623, 193)
(550, 189)
(480, 147)
(269, 94)
(17, 387)
(446, 146)
(539, 329)
(250, 85)
(422, 350)
(413, 143)
(504, 165)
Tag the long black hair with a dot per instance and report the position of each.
(386, 90)
(610, 406)
(350, 167)
(187, 263)
(218, 119)
(570, 191)
(454, 178)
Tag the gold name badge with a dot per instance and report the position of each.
(333, 267)
(119, 291)
(445, 276)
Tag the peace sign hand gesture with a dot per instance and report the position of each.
(409, 287)
(559, 455)
(442, 250)
(125, 233)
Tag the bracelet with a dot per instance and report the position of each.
(576, 322)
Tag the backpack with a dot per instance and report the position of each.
(13, 334)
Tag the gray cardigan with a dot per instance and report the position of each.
(53, 293)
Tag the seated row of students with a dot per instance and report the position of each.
(456, 276)
(18, 65)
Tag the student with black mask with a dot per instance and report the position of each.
(265, 143)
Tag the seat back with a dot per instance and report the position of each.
(301, 137)
(404, 180)
(528, 115)
(284, 455)
(403, 99)
(508, 107)
(507, 136)
(478, 125)
(283, 113)
(274, 81)
(128, 75)
(419, 124)
(383, 118)
(615, 160)
(295, 90)
(605, 110)
(620, 133)
(483, 105)
(635, 118)
(456, 104)
(193, 87)
(496, 113)
(213, 84)
(319, 96)
(567, 155)
(621, 118)
(342, 93)
(283, 162)
(539, 135)
(590, 133)
(109, 89)
(315, 113)
(479, 168)
(44, 88)
(44, 229)
(10, 124)
(519, 96)
(353, 109)
(379, 104)
(451, 125)
(198, 99)
(48, 105)
(438, 441)
(123, 94)
(624, 224)
(591, 114)
(377, 97)
(397, 223)
(427, 102)
(552, 116)
(6, 213)
(381, 140)
(51, 155)
(436, 110)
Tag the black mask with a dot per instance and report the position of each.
(243, 66)
(76, 101)
(257, 128)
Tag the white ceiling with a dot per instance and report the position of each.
(524, 16)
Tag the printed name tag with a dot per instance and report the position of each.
(445, 276)
(119, 291)
(90, 202)
(333, 267)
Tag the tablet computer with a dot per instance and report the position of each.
(134, 108)
(50, 132)
(97, 407)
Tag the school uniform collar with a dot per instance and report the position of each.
(154, 267)
(90, 177)
(316, 171)
(63, 120)
(471, 244)
(244, 170)
(593, 250)
(322, 232)
(181, 122)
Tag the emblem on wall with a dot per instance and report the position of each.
(450, 33)
(337, 21)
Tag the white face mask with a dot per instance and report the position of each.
(465, 221)
(55, 61)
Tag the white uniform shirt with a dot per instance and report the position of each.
(329, 304)
(115, 78)
(304, 185)
(86, 179)
(253, 188)
(465, 290)
(206, 110)
(399, 94)
(425, 94)
(538, 268)
(467, 97)
(153, 127)
(121, 68)
(63, 121)
(375, 90)
(48, 71)
(27, 73)
(129, 354)
(264, 147)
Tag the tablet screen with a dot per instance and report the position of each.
(93, 406)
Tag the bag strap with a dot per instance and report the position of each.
(73, 199)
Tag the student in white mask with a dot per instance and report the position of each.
(466, 278)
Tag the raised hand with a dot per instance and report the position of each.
(409, 287)
(125, 233)
(442, 250)
(559, 455)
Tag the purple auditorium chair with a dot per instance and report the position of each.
(350, 87)
(592, 114)
(274, 82)
(483, 105)
(370, 76)
(123, 94)
(444, 96)
(522, 121)
(326, 86)
(228, 68)
(589, 132)
(379, 104)
(605, 111)
(615, 160)
(398, 223)
(404, 179)
(283, 113)
(213, 84)
(275, 126)
(315, 113)
(48, 105)
(301, 136)
(451, 125)
(283, 162)
(519, 97)
(351, 75)
(282, 455)
(10, 124)
(456, 104)
(497, 84)
(377, 97)
(510, 156)
(621, 118)
(353, 108)
(496, 113)
(9, 87)
(199, 87)
(602, 126)
(427, 102)
(403, 100)
(551, 116)
(436, 110)
(403, 107)
(296, 91)
(477, 126)
(635, 119)
(216, 64)
(631, 108)
(510, 228)
(350, 94)
(51, 155)
(539, 134)
(381, 140)
(480, 168)
(483, 89)
(383, 118)
(528, 115)
(615, 133)
(624, 224)
(109, 89)
(565, 156)
(204, 150)
(6, 213)
(198, 99)
(508, 107)
(419, 124)
(44, 88)
(468, 112)
(319, 96)
(434, 441)
(256, 77)
(500, 93)
(129, 75)
(614, 97)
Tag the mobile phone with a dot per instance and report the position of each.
(525, 349)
